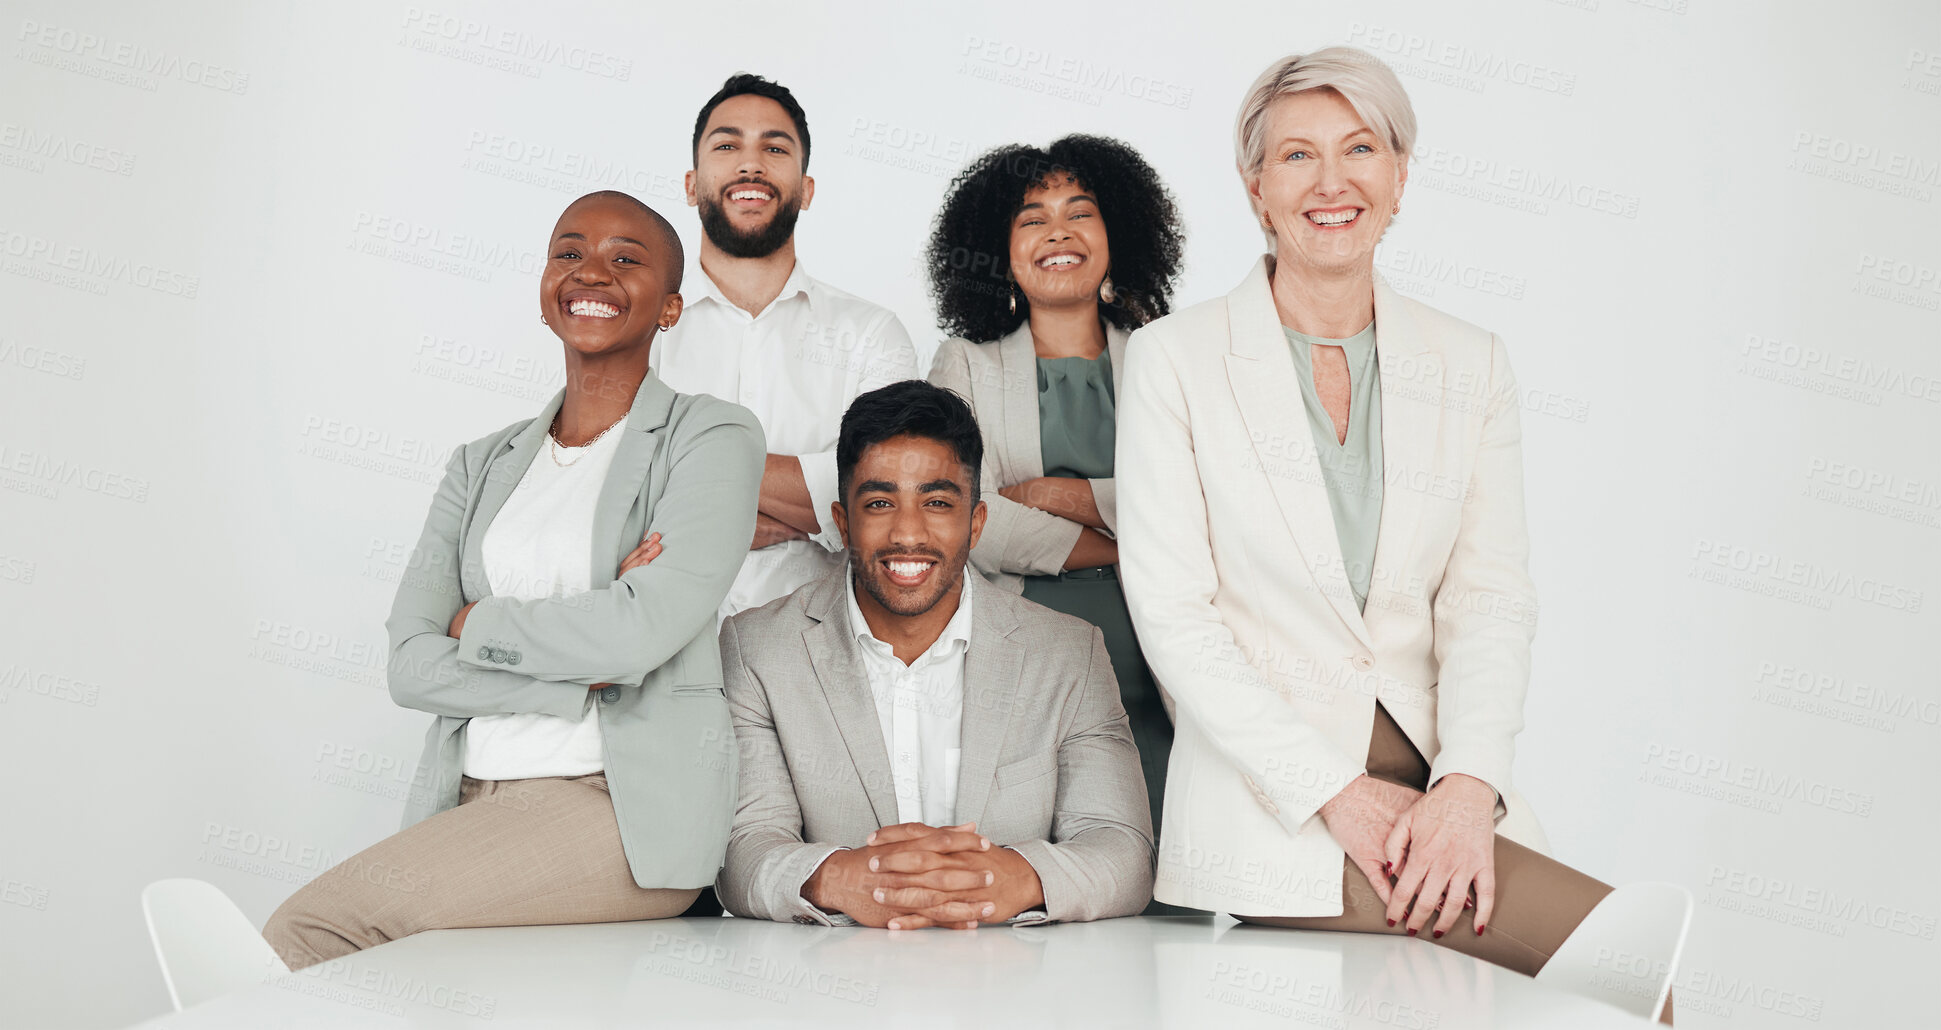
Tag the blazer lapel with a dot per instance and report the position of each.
(993, 671)
(1412, 393)
(1268, 390)
(845, 686)
(627, 477)
(1018, 389)
(1115, 344)
(503, 471)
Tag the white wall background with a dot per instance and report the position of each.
(265, 264)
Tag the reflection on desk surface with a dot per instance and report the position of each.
(1168, 971)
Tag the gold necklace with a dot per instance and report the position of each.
(553, 444)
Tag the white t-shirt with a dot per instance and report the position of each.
(541, 544)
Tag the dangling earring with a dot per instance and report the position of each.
(1267, 221)
(1106, 292)
(1013, 299)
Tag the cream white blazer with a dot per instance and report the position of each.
(1233, 573)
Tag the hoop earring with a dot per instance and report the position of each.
(1106, 293)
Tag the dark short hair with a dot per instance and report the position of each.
(743, 84)
(912, 407)
(969, 255)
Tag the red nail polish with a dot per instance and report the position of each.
(1411, 931)
(1438, 934)
(1479, 931)
(1391, 922)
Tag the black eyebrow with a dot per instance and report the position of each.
(730, 130)
(884, 486)
(623, 239)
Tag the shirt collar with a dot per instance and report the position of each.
(797, 282)
(956, 631)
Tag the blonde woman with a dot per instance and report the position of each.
(1322, 538)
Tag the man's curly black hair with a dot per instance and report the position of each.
(970, 247)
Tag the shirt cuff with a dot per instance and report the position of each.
(805, 907)
(1038, 914)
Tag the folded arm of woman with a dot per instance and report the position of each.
(616, 634)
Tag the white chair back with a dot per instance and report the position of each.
(204, 943)
(1625, 952)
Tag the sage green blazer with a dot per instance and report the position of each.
(687, 466)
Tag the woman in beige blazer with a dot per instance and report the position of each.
(1041, 263)
(1325, 555)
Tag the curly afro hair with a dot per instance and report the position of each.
(970, 248)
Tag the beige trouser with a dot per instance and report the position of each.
(513, 853)
(1539, 900)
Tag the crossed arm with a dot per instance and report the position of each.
(616, 634)
(1040, 526)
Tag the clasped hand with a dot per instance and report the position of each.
(913, 875)
(1420, 850)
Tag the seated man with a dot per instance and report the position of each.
(913, 752)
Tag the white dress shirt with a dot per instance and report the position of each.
(540, 544)
(921, 709)
(797, 365)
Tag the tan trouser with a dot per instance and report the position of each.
(1539, 900)
(513, 853)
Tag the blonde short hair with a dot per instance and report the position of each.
(1362, 79)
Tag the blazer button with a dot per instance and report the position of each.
(1364, 662)
(512, 658)
(610, 694)
(485, 654)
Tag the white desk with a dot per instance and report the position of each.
(1171, 971)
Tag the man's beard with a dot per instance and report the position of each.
(757, 244)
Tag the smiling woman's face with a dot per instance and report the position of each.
(1329, 184)
(604, 287)
(1058, 247)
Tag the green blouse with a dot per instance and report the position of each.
(1076, 430)
(1351, 469)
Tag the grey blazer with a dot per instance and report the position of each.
(688, 466)
(1000, 380)
(1049, 768)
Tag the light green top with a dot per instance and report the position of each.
(1076, 431)
(1351, 469)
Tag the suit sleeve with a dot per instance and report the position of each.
(620, 633)
(1099, 861)
(884, 355)
(1166, 564)
(768, 861)
(424, 671)
(1017, 538)
(1486, 608)
(1105, 497)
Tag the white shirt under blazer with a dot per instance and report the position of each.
(1233, 575)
